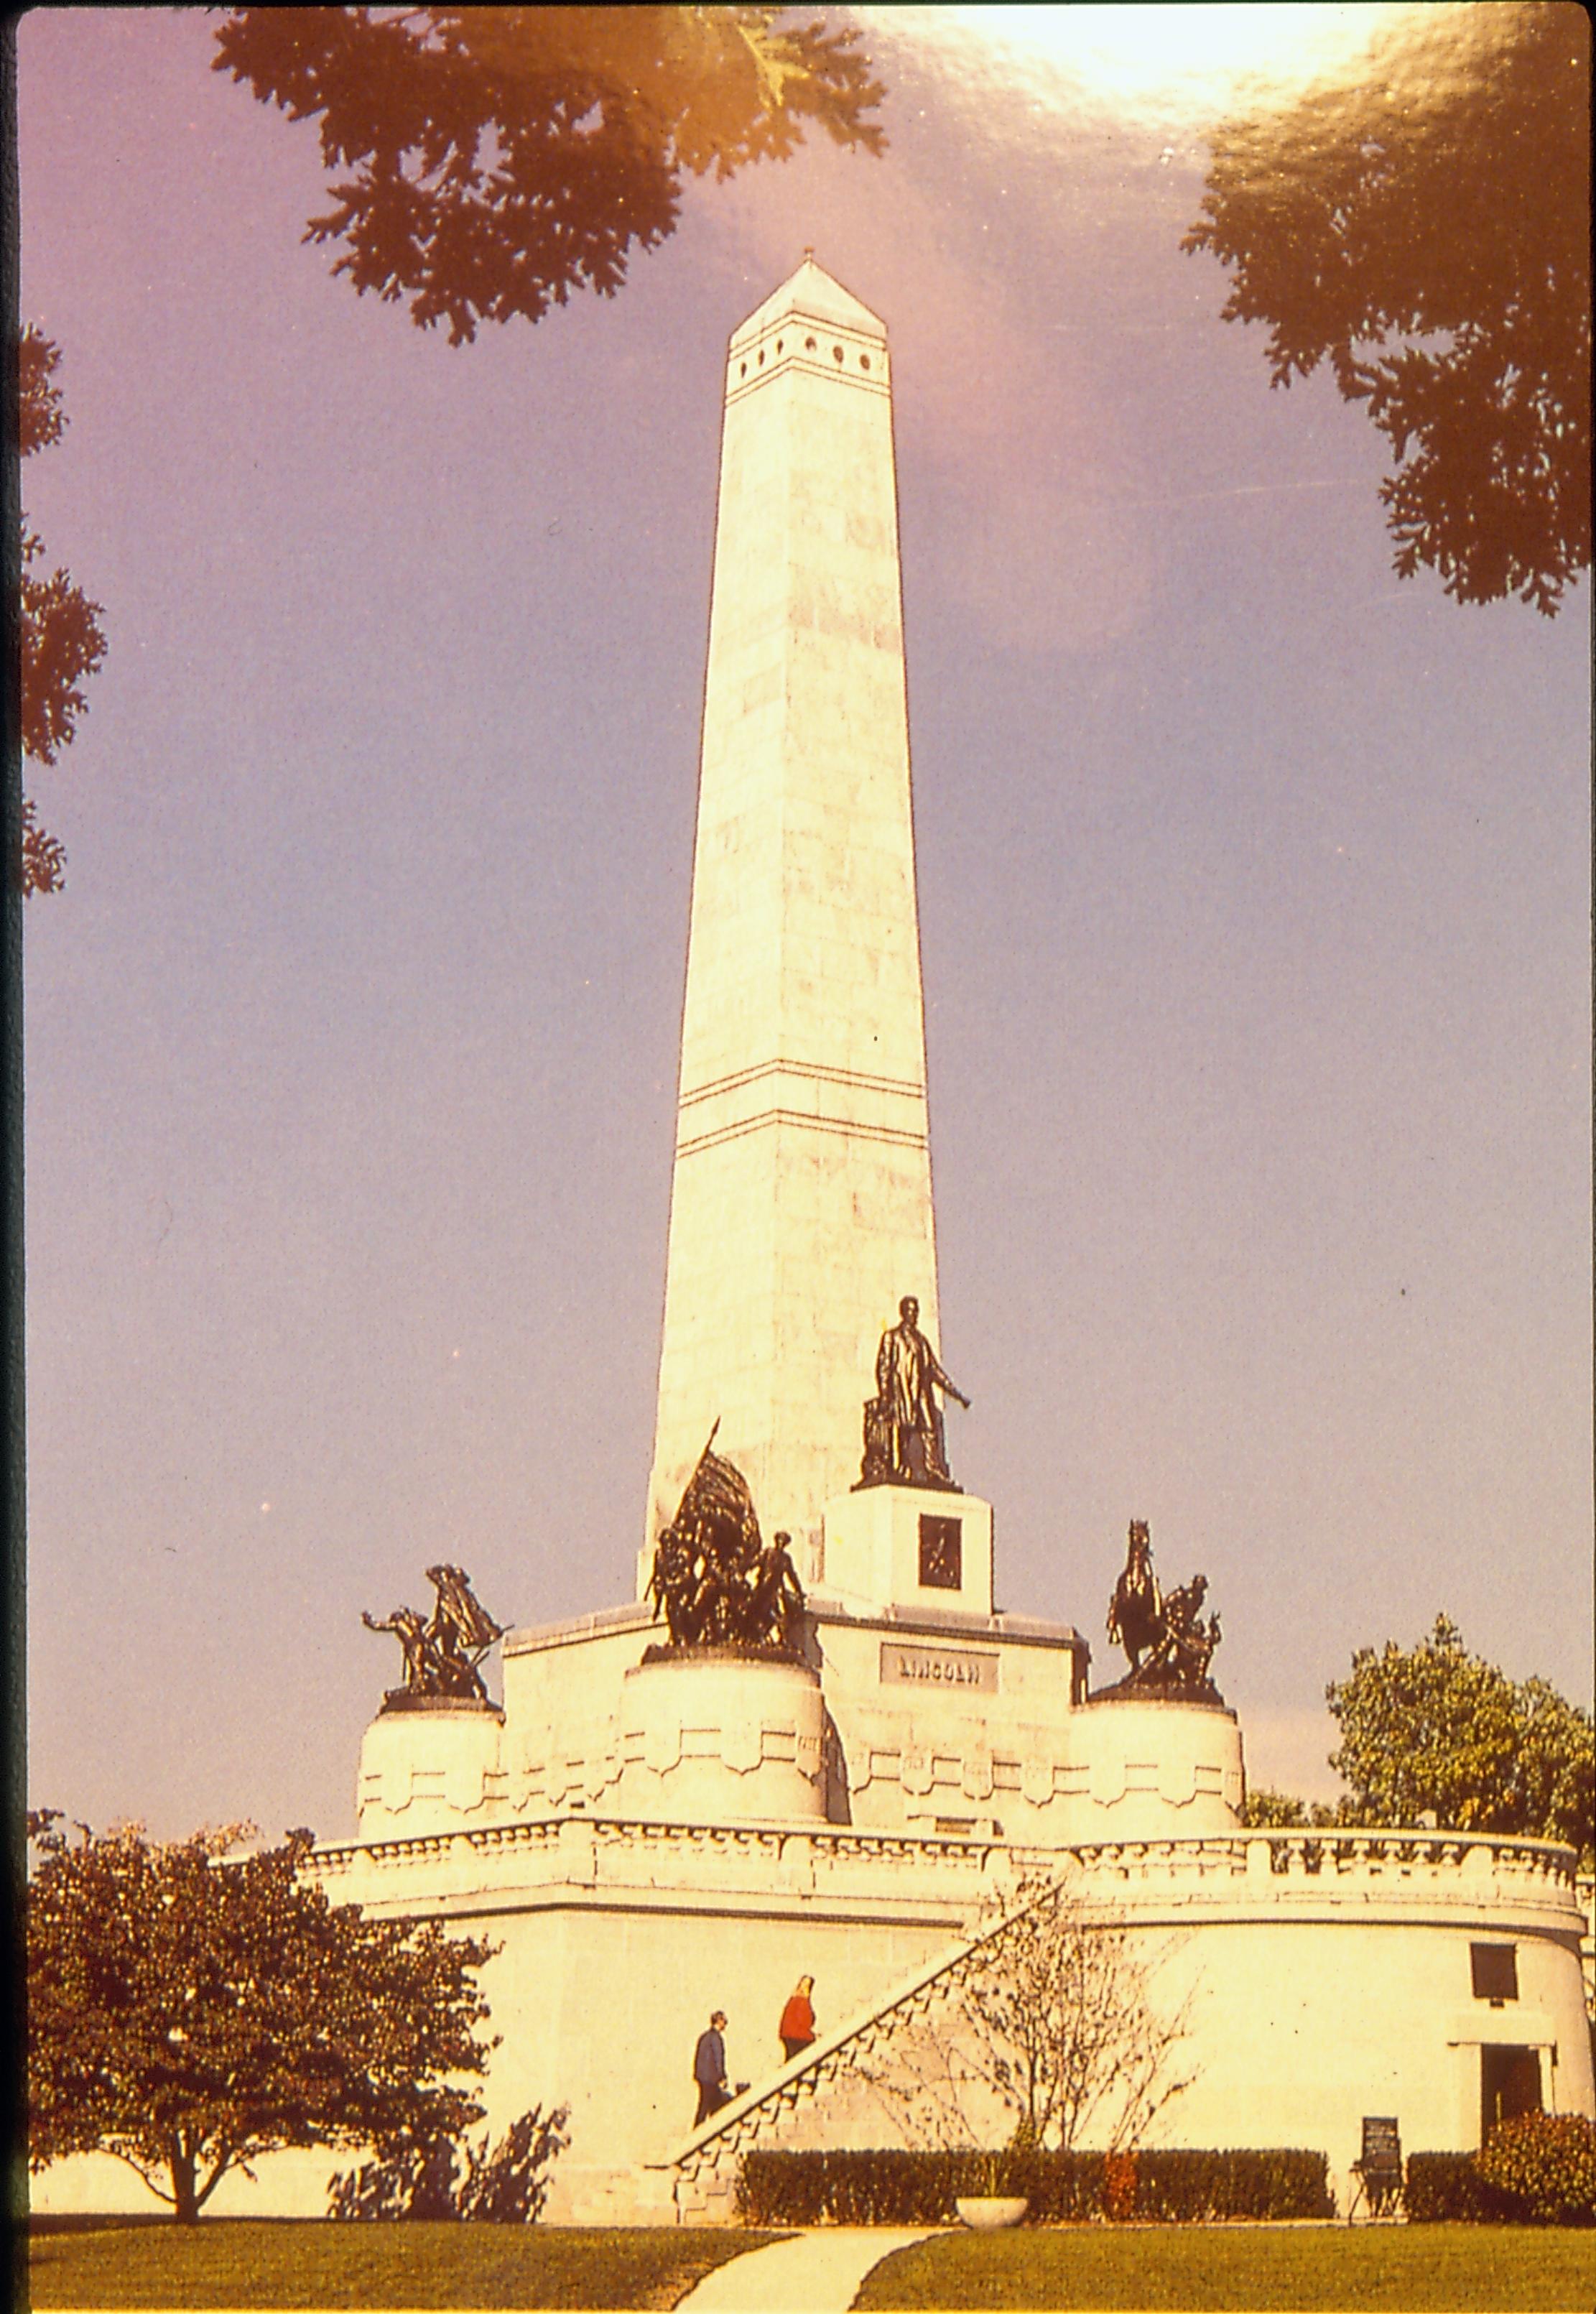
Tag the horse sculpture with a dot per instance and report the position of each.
(1136, 1611)
(1169, 1643)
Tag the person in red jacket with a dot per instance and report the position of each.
(797, 2028)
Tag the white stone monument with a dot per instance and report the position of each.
(801, 1195)
(647, 1833)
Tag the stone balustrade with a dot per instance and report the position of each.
(1533, 1869)
(600, 1851)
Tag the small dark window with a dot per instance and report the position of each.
(836, 353)
(864, 361)
(779, 344)
(762, 357)
(1495, 1972)
(743, 370)
(809, 345)
(942, 1556)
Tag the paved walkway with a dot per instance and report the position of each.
(816, 2272)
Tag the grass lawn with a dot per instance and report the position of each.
(259, 2262)
(1450, 2269)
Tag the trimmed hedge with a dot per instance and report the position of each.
(1187, 2187)
(897, 2188)
(1446, 2188)
(1539, 2169)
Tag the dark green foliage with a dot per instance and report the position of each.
(509, 2187)
(62, 639)
(1264, 1809)
(1434, 1731)
(1434, 1735)
(1539, 2169)
(1547, 2163)
(1446, 2188)
(1264, 1805)
(1181, 2188)
(422, 2178)
(1423, 229)
(190, 2009)
(496, 159)
(898, 2188)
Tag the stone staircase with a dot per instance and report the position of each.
(832, 2076)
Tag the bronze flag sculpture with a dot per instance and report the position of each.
(441, 1653)
(714, 1582)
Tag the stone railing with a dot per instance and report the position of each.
(599, 1851)
(1535, 1867)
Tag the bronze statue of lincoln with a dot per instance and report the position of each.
(907, 1378)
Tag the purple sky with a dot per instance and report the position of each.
(1254, 911)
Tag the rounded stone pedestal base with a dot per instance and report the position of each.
(1159, 1766)
(722, 1736)
(428, 1763)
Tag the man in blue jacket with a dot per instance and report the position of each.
(708, 2070)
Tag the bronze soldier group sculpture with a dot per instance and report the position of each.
(904, 1444)
(443, 1651)
(1169, 1643)
(714, 1582)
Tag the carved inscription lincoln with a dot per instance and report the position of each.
(962, 1667)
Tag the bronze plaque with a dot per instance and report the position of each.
(941, 1554)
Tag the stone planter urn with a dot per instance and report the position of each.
(984, 2213)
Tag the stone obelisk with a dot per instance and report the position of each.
(801, 1198)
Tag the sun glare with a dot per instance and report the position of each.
(1173, 62)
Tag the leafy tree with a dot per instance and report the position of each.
(189, 2010)
(1263, 1808)
(500, 158)
(1425, 230)
(1434, 1731)
(62, 639)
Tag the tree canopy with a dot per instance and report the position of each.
(1266, 1807)
(189, 2010)
(63, 642)
(498, 158)
(1425, 231)
(1435, 1731)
